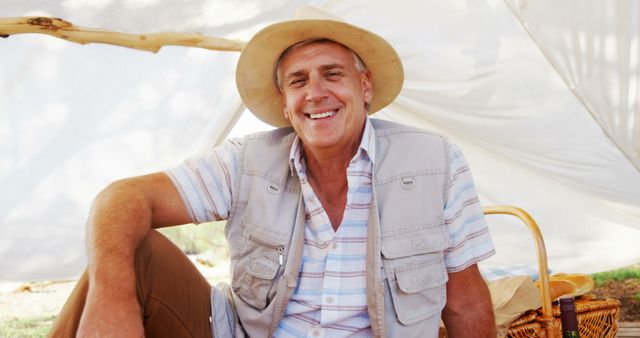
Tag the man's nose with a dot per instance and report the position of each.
(316, 90)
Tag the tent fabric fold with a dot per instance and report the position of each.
(542, 97)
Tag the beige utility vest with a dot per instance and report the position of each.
(406, 235)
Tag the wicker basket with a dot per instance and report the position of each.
(525, 326)
(596, 318)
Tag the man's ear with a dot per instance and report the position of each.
(367, 86)
(285, 111)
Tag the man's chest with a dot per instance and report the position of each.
(332, 276)
(326, 210)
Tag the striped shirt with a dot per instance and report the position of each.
(330, 299)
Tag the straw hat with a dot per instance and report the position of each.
(255, 73)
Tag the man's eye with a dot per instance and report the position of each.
(334, 75)
(296, 82)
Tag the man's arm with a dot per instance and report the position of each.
(121, 216)
(468, 312)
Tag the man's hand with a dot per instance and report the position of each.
(468, 312)
(120, 218)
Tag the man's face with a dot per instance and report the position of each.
(324, 95)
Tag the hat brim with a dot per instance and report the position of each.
(257, 62)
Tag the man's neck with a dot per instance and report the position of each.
(327, 174)
(327, 162)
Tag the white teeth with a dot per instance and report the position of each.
(321, 115)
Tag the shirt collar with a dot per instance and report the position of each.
(367, 147)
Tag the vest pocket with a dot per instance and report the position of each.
(262, 259)
(415, 270)
(418, 291)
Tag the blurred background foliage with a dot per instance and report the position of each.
(205, 240)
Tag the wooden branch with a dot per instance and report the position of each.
(149, 42)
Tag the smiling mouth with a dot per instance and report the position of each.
(322, 115)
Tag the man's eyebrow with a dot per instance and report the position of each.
(332, 66)
(323, 68)
(294, 74)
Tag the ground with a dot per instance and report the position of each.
(628, 292)
(28, 310)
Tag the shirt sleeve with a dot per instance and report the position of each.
(469, 239)
(206, 183)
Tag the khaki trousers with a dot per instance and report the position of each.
(173, 294)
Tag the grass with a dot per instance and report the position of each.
(26, 327)
(632, 272)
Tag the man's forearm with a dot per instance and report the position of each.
(119, 220)
(468, 312)
(475, 321)
(121, 217)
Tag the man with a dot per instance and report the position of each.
(343, 226)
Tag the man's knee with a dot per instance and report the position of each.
(165, 279)
(157, 259)
(154, 246)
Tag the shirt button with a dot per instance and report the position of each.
(335, 245)
(317, 331)
(329, 300)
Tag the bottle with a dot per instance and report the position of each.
(568, 318)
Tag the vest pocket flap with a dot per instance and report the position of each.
(263, 267)
(262, 257)
(418, 291)
(419, 278)
(414, 240)
(265, 251)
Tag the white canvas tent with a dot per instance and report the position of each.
(542, 96)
